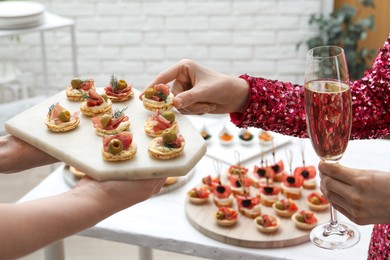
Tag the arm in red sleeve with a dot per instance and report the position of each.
(273, 105)
(279, 106)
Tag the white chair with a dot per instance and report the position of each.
(14, 96)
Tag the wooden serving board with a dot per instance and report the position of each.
(81, 147)
(244, 233)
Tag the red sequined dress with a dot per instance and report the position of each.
(279, 106)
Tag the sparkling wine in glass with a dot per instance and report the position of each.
(328, 106)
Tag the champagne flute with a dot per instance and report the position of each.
(328, 106)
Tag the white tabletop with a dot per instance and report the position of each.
(52, 21)
(160, 222)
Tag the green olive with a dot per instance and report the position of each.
(220, 215)
(192, 193)
(169, 115)
(300, 218)
(279, 205)
(115, 146)
(104, 96)
(169, 136)
(105, 120)
(76, 82)
(122, 84)
(149, 92)
(315, 201)
(260, 221)
(64, 116)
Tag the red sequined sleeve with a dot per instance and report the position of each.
(279, 106)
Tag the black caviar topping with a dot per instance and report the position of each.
(238, 184)
(275, 168)
(291, 179)
(305, 174)
(261, 172)
(246, 203)
(268, 190)
(221, 189)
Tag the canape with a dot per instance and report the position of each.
(226, 137)
(292, 186)
(239, 185)
(304, 219)
(158, 97)
(279, 170)
(308, 174)
(110, 124)
(95, 104)
(170, 145)
(170, 181)
(248, 205)
(226, 216)
(198, 195)
(208, 181)
(285, 208)
(245, 137)
(222, 195)
(118, 147)
(317, 202)
(119, 90)
(59, 119)
(205, 134)
(237, 170)
(263, 174)
(269, 194)
(265, 138)
(78, 87)
(159, 122)
(267, 223)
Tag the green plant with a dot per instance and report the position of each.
(345, 28)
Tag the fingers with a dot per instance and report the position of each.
(339, 172)
(177, 87)
(331, 186)
(160, 183)
(183, 100)
(173, 72)
(196, 109)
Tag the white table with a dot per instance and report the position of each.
(52, 22)
(160, 222)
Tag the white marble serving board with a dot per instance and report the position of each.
(81, 147)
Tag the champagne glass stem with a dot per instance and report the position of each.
(333, 216)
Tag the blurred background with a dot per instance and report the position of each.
(137, 39)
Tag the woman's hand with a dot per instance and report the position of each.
(120, 194)
(67, 213)
(17, 155)
(199, 90)
(361, 195)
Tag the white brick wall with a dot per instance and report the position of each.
(136, 39)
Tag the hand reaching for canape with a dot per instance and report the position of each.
(199, 90)
(361, 195)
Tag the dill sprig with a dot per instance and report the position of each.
(169, 146)
(51, 108)
(118, 112)
(86, 96)
(114, 82)
(161, 94)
